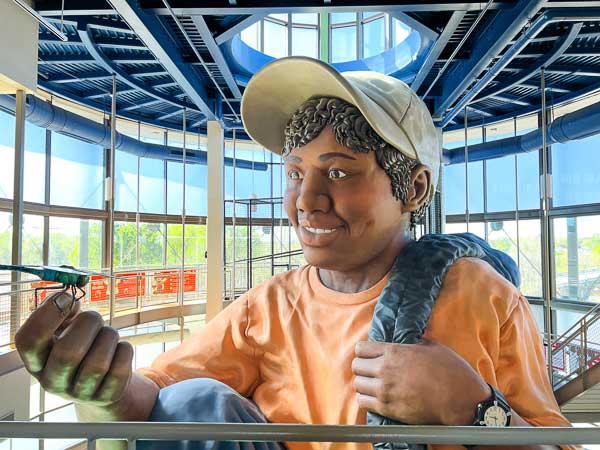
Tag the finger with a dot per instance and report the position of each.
(35, 337)
(69, 351)
(118, 376)
(368, 386)
(96, 364)
(367, 367)
(368, 349)
(370, 403)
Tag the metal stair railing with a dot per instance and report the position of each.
(577, 350)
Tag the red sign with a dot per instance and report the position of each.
(167, 282)
(98, 288)
(125, 284)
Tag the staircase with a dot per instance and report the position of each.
(576, 366)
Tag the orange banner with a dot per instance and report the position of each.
(167, 282)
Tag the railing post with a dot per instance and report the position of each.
(583, 345)
(131, 444)
(91, 444)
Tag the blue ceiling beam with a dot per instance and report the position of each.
(216, 54)
(92, 75)
(559, 48)
(509, 98)
(553, 101)
(285, 7)
(169, 115)
(238, 28)
(503, 28)
(147, 71)
(437, 49)
(150, 31)
(111, 67)
(141, 105)
(97, 94)
(64, 59)
(554, 88)
(119, 43)
(162, 83)
(58, 90)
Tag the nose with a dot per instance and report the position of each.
(314, 194)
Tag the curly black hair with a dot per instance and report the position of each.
(351, 130)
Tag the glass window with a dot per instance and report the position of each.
(7, 154)
(280, 17)
(306, 18)
(373, 37)
(530, 257)
(400, 32)
(477, 228)
(529, 180)
(500, 174)
(33, 239)
(126, 166)
(251, 35)
(342, 17)
(195, 191)
(34, 180)
(454, 188)
(125, 181)
(576, 172)
(76, 242)
(343, 44)
(195, 244)
(152, 186)
(125, 245)
(502, 235)
(305, 42)
(76, 173)
(577, 258)
(275, 41)
(152, 244)
(367, 15)
(5, 237)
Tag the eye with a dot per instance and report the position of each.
(294, 175)
(336, 174)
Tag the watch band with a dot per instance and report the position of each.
(496, 399)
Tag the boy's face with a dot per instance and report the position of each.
(341, 205)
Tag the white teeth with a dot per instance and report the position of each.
(320, 230)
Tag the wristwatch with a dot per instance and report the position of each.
(494, 412)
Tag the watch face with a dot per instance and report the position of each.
(495, 417)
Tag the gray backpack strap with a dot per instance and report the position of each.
(404, 307)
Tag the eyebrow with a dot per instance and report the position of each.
(324, 157)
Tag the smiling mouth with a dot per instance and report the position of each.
(320, 230)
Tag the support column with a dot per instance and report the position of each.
(215, 223)
(17, 222)
(546, 195)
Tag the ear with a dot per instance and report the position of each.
(420, 186)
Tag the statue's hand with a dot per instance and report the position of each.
(73, 354)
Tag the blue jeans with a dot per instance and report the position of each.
(205, 400)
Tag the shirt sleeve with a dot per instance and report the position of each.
(521, 370)
(221, 350)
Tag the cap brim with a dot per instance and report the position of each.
(280, 87)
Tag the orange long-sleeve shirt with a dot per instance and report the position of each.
(289, 342)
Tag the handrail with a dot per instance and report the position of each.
(132, 431)
(578, 324)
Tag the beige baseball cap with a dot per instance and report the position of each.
(393, 110)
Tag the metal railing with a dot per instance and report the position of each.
(577, 350)
(234, 432)
(128, 291)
